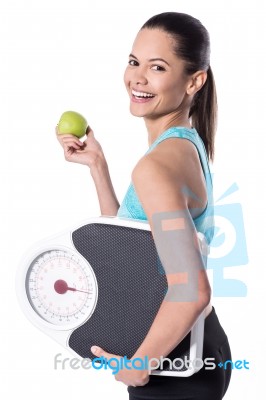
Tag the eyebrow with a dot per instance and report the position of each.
(151, 59)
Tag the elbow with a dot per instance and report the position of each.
(196, 297)
(204, 298)
(204, 291)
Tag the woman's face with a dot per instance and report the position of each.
(155, 78)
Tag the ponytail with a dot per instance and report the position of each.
(191, 43)
(203, 113)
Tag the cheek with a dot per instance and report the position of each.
(126, 77)
(170, 92)
(175, 90)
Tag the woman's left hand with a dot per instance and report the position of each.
(129, 376)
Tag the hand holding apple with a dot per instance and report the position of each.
(87, 152)
(72, 126)
(71, 122)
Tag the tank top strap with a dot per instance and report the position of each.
(175, 131)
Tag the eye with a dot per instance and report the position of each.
(158, 68)
(133, 63)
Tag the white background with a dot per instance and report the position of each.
(58, 55)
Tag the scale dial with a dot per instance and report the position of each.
(61, 288)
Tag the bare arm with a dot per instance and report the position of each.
(90, 153)
(106, 195)
(159, 187)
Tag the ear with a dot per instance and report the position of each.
(196, 82)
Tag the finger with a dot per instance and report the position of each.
(60, 137)
(71, 141)
(64, 136)
(111, 359)
(99, 352)
(57, 134)
(89, 131)
(68, 146)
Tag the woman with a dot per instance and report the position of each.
(171, 86)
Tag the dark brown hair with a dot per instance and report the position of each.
(192, 44)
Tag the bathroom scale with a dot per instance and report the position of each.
(102, 283)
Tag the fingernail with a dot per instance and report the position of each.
(94, 349)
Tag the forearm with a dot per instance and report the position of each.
(172, 323)
(106, 195)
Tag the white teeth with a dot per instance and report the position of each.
(141, 94)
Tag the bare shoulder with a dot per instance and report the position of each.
(161, 177)
(173, 158)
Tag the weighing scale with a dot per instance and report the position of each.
(102, 283)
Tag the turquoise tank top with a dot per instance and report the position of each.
(131, 207)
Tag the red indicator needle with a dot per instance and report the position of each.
(61, 287)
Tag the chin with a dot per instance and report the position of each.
(136, 113)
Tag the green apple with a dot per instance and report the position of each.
(73, 123)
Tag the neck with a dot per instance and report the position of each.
(157, 126)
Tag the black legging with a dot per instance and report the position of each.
(203, 385)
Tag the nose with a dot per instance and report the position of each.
(140, 77)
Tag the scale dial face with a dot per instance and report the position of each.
(61, 288)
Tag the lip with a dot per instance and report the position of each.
(140, 99)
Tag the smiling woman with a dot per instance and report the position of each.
(157, 81)
(171, 86)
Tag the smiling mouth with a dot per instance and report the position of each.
(141, 95)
